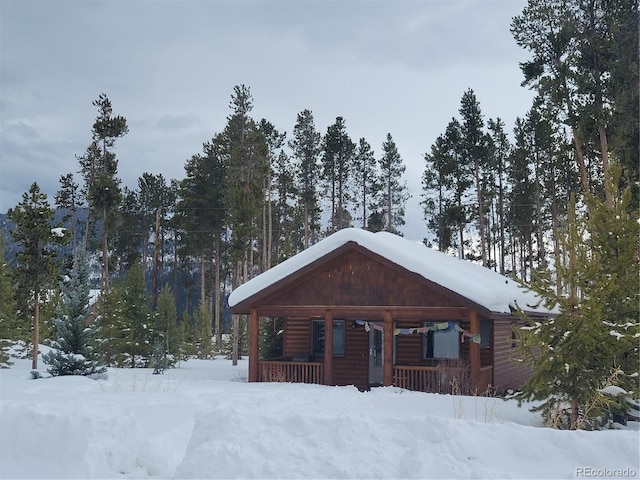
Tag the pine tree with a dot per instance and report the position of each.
(595, 332)
(167, 332)
(474, 154)
(337, 164)
(203, 331)
(130, 239)
(289, 238)
(73, 350)
(366, 182)
(68, 198)
(446, 182)
(8, 319)
(306, 147)
(271, 338)
(393, 188)
(520, 211)
(37, 260)
(99, 168)
(614, 240)
(135, 325)
(500, 149)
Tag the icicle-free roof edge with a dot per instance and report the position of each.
(478, 284)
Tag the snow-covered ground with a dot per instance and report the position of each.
(203, 420)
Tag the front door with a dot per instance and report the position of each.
(376, 356)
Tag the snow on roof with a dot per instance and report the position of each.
(485, 287)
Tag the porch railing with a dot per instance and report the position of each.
(416, 378)
(294, 372)
(419, 379)
(440, 379)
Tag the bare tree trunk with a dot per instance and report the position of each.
(36, 330)
(481, 225)
(604, 153)
(235, 319)
(105, 252)
(542, 257)
(269, 225)
(202, 280)
(306, 226)
(217, 294)
(156, 250)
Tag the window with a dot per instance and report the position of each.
(338, 337)
(486, 332)
(441, 343)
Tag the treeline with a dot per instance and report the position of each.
(249, 200)
(255, 195)
(502, 202)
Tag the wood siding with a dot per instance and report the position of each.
(355, 284)
(507, 372)
(358, 279)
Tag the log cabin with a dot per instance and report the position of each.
(369, 309)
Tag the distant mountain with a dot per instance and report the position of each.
(11, 247)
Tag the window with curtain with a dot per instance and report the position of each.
(441, 343)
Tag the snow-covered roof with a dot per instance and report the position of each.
(481, 285)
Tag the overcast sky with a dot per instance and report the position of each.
(169, 67)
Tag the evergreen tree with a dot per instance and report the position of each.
(68, 198)
(337, 164)
(474, 154)
(8, 319)
(393, 188)
(306, 146)
(437, 185)
(248, 167)
(99, 168)
(271, 338)
(275, 140)
(37, 259)
(130, 239)
(520, 210)
(500, 149)
(73, 349)
(614, 242)
(168, 342)
(446, 182)
(111, 331)
(289, 238)
(156, 199)
(366, 182)
(595, 332)
(203, 331)
(584, 67)
(134, 325)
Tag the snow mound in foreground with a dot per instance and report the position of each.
(80, 440)
(341, 435)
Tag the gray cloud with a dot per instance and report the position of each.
(169, 67)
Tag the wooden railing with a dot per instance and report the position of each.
(439, 380)
(419, 379)
(294, 372)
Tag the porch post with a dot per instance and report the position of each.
(328, 347)
(254, 330)
(387, 338)
(474, 350)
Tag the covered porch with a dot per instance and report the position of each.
(400, 364)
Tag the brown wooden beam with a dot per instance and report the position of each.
(328, 347)
(474, 350)
(366, 312)
(387, 338)
(254, 336)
